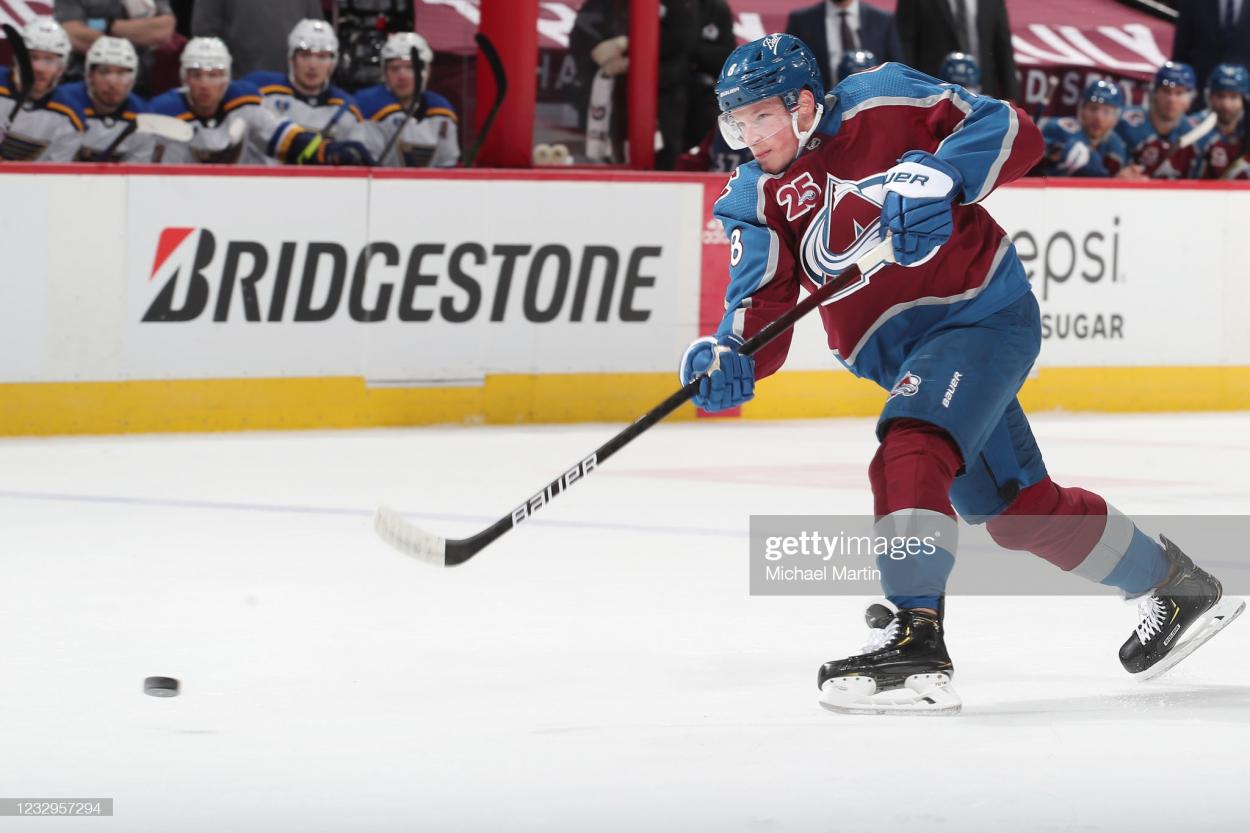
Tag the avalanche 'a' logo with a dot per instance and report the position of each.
(847, 227)
(909, 385)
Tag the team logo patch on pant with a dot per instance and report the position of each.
(907, 386)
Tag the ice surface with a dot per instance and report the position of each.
(601, 668)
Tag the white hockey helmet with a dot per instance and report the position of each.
(400, 45)
(205, 53)
(43, 34)
(313, 35)
(112, 52)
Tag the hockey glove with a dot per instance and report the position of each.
(919, 193)
(347, 153)
(730, 376)
(309, 148)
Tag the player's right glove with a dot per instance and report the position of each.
(730, 378)
(917, 209)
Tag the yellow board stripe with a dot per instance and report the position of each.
(347, 402)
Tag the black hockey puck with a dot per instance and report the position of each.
(161, 686)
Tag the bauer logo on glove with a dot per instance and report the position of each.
(917, 209)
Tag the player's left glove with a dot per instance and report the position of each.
(730, 378)
(310, 148)
(919, 193)
(347, 153)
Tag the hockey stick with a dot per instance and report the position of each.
(501, 89)
(151, 124)
(1198, 131)
(418, 68)
(1192, 136)
(25, 70)
(1052, 87)
(394, 529)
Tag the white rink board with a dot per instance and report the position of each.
(1124, 277)
(1145, 277)
(94, 307)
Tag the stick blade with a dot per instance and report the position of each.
(399, 533)
(165, 127)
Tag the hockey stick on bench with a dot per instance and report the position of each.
(394, 529)
(150, 124)
(25, 70)
(491, 54)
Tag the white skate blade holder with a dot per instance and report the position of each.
(920, 694)
(1212, 622)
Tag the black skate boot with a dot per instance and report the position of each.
(1177, 617)
(904, 668)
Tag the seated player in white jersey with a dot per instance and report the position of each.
(230, 124)
(430, 138)
(39, 124)
(109, 106)
(305, 95)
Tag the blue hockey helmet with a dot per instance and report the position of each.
(857, 61)
(1230, 78)
(962, 69)
(1103, 91)
(1176, 74)
(775, 65)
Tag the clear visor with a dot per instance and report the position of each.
(754, 123)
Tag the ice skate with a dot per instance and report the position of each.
(903, 669)
(1177, 618)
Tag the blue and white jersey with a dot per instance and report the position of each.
(332, 107)
(262, 138)
(431, 138)
(809, 224)
(102, 129)
(48, 130)
(1106, 157)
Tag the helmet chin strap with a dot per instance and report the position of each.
(804, 135)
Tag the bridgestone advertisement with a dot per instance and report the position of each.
(444, 280)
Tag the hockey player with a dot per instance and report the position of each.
(962, 69)
(430, 137)
(857, 61)
(231, 125)
(109, 106)
(951, 330)
(48, 128)
(1152, 136)
(1088, 144)
(305, 95)
(1223, 157)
